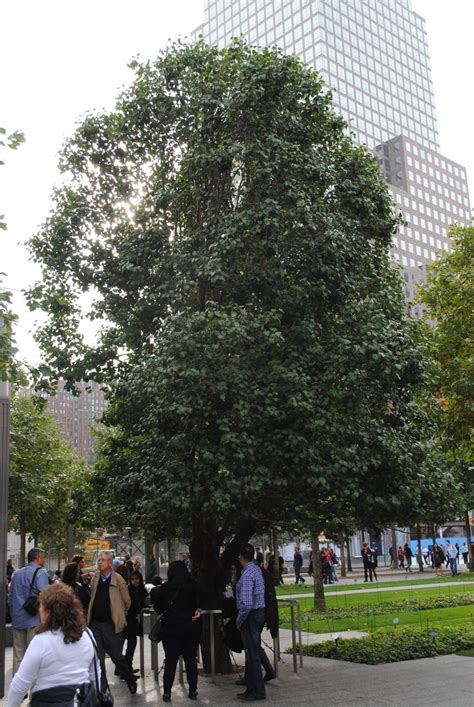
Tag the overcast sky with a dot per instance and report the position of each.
(60, 58)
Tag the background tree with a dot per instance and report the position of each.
(448, 294)
(45, 472)
(236, 244)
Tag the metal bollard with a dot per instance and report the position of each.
(276, 654)
(211, 613)
(293, 637)
(142, 657)
(300, 644)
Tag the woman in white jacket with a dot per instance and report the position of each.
(61, 657)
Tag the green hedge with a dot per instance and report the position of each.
(392, 607)
(395, 645)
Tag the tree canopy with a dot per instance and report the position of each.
(45, 475)
(234, 243)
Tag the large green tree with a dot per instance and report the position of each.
(448, 295)
(234, 242)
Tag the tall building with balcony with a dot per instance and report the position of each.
(373, 55)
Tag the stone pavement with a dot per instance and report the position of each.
(430, 682)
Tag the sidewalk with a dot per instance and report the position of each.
(430, 682)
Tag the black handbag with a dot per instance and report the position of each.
(103, 694)
(232, 637)
(31, 605)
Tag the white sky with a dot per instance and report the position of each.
(60, 58)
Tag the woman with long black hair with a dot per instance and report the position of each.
(134, 627)
(177, 602)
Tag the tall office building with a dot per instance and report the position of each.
(78, 415)
(374, 55)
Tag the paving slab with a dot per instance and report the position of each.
(429, 682)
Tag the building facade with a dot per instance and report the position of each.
(78, 415)
(373, 55)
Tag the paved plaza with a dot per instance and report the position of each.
(430, 682)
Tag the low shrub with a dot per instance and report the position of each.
(394, 646)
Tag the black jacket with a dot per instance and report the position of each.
(179, 603)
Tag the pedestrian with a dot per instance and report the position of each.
(465, 553)
(60, 657)
(27, 581)
(178, 603)
(107, 616)
(259, 557)
(156, 583)
(281, 567)
(390, 552)
(367, 562)
(437, 556)
(374, 561)
(425, 552)
(72, 577)
(10, 570)
(250, 594)
(134, 627)
(85, 575)
(452, 554)
(153, 566)
(401, 558)
(334, 564)
(326, 565)
(407, 551)
(298, 564)
(271, 622)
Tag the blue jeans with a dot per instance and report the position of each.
(453, 566)
(250, 631)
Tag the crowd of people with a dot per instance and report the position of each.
(63, 628)
(436, 556)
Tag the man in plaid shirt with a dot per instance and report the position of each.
(250, 595)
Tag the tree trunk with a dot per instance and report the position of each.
(318, 587)
(349, 561)
(212, 571)
(470, 556)
(22, 539)
(70, 542)
(343, 557)
(394, 562)
(418, 547)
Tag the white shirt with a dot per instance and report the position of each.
(52, 663)
(452, 551)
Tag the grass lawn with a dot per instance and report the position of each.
(455, 616)
(469, 653)
(293, 588)
(365, 620)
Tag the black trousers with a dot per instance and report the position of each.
(265, 661)
(112, 643)
(174, 646)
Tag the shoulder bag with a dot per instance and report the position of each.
(102, 689)
(31, 605)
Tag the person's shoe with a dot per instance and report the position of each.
(132, 686)
(269, 676)
(241, 682)
(136, 670)
(166, 697)
(116, 672)
(193, 694)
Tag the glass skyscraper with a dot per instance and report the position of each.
(374, 56)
